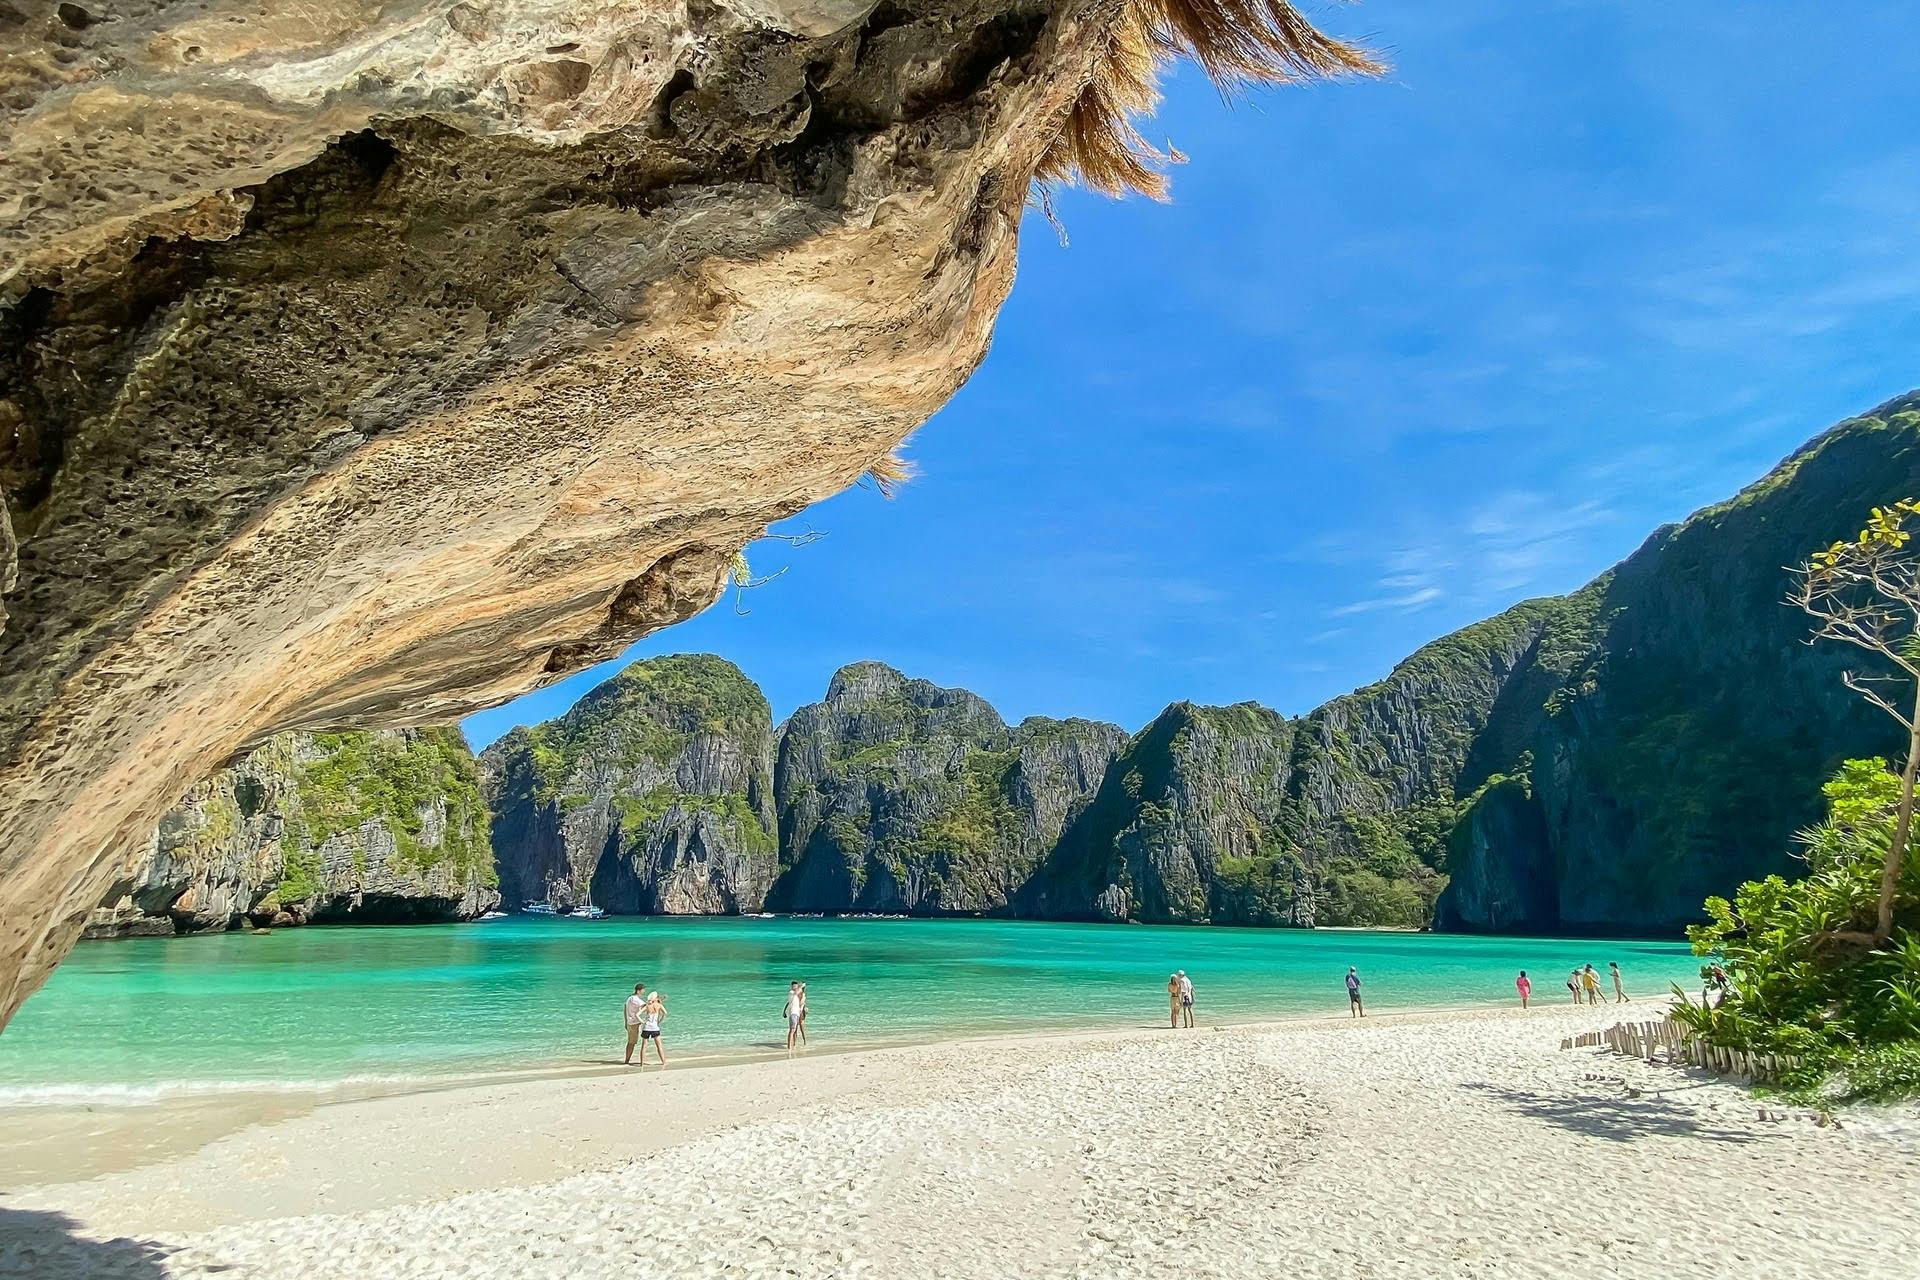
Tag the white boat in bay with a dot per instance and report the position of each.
(540, 909)
(587, 911)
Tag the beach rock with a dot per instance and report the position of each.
(365, 365)
(652, 795)
(895, 795)
(353, 827)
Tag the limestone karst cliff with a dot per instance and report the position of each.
(362, 365)
(1600, 761)
(1688, 743)
(328, 828)
(898, 796)
(654, 793)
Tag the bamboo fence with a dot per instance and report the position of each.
(1667, 1041)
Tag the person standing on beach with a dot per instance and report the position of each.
(1354, 1006)
(636, 1005)
(803, 1013)
(796, 1009)
(1590, 981)
(1573, 985)
(1173, 1000)
(1186, 998)
(1619, 988)
(652, 1014)
(1524, 986)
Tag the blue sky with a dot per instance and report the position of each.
(1398, 354)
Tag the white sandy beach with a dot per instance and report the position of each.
(1415, 1145)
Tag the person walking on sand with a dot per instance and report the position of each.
(1620, 995)
(636, 1003)
(1590, 982)
(1524, 986)
(1354, 1006)
(796, 1009)
(1186, 998)
(651, 1016)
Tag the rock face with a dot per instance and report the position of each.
(1599, 762)
(1594, 763)
(1688, 743)
(363, 365)
(652, 795)
(897, 796)
(1182, 829)
(332, 828)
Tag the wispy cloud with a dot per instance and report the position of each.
(1403, 602)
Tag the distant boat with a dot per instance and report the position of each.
(540, 909)
(494, 915)
(587, 911)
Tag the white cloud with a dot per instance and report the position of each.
(1406, 602)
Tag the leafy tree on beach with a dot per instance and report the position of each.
(1867, 593)
(1828, 967)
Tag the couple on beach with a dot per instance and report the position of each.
(1179, 999)
(645, 1013)
(1585, 984)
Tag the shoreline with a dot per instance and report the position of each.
(67, 1139)
(1402, 1143)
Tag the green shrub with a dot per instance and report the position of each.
(1853, 1013)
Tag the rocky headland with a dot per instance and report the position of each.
(336, 828)
(654, 793)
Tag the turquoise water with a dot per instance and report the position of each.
(120, 1020)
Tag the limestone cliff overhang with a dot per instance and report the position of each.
(367, 363)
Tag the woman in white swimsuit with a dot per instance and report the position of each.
(796, 1010)
(650, 1019)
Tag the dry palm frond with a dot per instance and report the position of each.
(1099, 145)
(890, 473)
(1235, 42)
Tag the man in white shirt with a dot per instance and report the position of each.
(636, 1014)
(1186, 999)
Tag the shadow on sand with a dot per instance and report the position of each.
(49, 1245)
(1616, 1119)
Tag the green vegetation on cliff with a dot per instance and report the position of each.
(650, 794)
(1599, 761)
(646, 713)
(400, 781)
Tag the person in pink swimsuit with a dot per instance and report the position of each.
(1524, 986)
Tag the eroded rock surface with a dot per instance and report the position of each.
(367, 364)
(896, 795)
(653, 794)
(378, 827)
